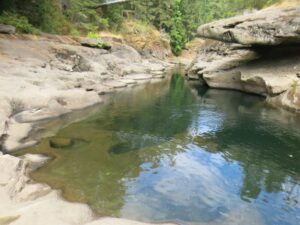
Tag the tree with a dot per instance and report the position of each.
(177, 34)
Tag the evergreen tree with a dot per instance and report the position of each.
(177, 34)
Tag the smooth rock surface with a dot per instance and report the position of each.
(138, 76)
(289, 100)
(41, 78)
(7, 29)
(265, 27)
(256, 52)
(266, 72)
(53, 76)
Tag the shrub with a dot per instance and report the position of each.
(20, 22)
(177, 34)
(93, 35)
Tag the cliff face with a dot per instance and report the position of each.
(256, 53)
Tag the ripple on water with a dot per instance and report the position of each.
(167, 153)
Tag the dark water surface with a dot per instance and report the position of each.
(171, 152)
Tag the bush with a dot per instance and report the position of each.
(20, 22)
(177, 34)
(93, 35)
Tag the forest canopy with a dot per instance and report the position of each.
(178, 18)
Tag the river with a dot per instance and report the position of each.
(172, 151)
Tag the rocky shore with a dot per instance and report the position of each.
(49, 76)
(46, 77)
(255, 53)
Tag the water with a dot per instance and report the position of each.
(176, 152)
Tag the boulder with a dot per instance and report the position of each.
(256, 52)
(61, 142)
(266, 72)
(289, 100)
(265, 27)
(95, 43)
(7, 29)
(217, 56)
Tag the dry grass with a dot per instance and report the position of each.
(285, 4)
(144, 37)
(191, 49)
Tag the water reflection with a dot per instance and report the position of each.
(168, 152)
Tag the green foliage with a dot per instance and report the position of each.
(85, 19)
(164, 15)
(45, 15)
(178, 18)
(92, 35)
(114, 15)
(177, 33)
(98, 42)
(20, 22)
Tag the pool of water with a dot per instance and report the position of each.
(173, 151)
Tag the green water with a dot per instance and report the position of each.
(172, 151)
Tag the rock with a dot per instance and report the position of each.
(158, 76)
(6, 220)
(258, 53)
(265, 71)
(128, 81)
(114, 221)
(265, 27)
(69, 60)
(7, 29)
(95, 43)
(138, 76)
(289, 100)
(217, 56)
(38, 77)
(115, 84)
(35, 160)
(9, 166)
(61, 142)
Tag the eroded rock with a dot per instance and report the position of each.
(61, 142)
(289, 100)
(256, 53)
(69, 60)
(265, 27)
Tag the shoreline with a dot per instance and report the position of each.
(42, 84)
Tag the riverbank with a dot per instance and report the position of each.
(42, 78)
(257, 53)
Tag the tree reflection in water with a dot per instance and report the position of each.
(168, 152)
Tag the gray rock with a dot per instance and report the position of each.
(7, 29)
(266, 72)
(139, 76)
(289, 100)
(266, 27)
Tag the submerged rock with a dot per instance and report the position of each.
(61, 142)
